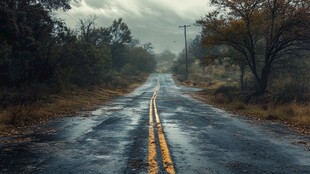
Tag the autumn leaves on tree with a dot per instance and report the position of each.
(266, 33)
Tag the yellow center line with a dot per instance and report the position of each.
(152, 163)
(166, 158)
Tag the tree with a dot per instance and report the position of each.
(179, 65)
(141, 59)
(83, 64)
(87, 26)
(120, 35)
(27, 31)
(134, 43)
(30, 59)
(234, 57)
(263, 32)
(206, 55)
(149, 47)
(167, 55)
(47, 5)
(100, 36)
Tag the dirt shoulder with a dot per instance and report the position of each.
(66, 104)
(226, 96)
(291, 115)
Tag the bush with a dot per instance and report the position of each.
(224, 94)
(222, 99)
(226, 90)
(239, 106)
(128, 70)
(118, 82)
(291, 92)
(19, 96)
(20, 114)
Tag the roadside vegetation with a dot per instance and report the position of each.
(47, 69)
(164, 61)
(253, 58)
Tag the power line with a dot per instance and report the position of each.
(186, 62)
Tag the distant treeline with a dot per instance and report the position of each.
(36, 48)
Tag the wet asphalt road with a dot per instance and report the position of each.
(201, 139)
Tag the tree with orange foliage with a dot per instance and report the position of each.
(264, 32)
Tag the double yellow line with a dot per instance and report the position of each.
(152, 163)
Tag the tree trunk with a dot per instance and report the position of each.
(203, 70)
(263, 83)
(242, 71)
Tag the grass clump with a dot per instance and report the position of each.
(17, 115)
(239, 105)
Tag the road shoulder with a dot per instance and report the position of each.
(68, 104)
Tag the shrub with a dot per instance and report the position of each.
(239, 106)
(290, 92)
(19, 96)
(226, 90)
(224, 94)
(20, 114)
(118, 82)
(128, 70)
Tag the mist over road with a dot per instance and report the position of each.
(155, 129)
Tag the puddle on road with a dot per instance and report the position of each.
(76, 127)
(106, 110)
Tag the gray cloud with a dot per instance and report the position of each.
(150, 21)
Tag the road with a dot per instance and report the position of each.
(158, 128)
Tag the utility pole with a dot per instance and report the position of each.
(185, 26)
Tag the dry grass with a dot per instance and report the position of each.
(294, 114)
(297, 113)
(211, 86)
(217, 84)
(66, 104)
(221, 99)
(18, 115)
(239, 105)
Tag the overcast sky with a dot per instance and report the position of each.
(155, 21)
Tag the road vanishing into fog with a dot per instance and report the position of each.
(158, 128)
